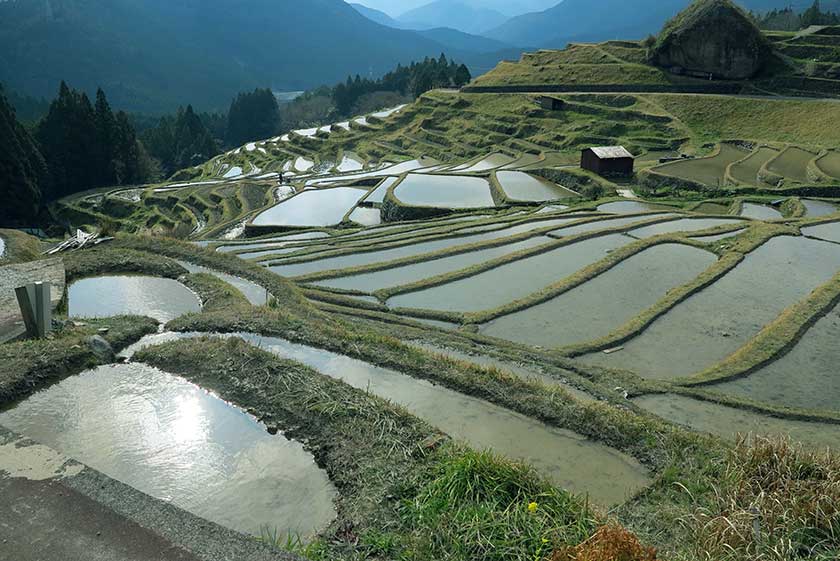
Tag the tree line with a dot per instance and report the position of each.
(788, 19)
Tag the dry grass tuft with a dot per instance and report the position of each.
(775, 501)
(610, 543)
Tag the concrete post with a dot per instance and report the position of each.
(43, 308)
(36, 308)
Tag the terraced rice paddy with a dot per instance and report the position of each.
(830, 164)
(254, 293)
(408, 250)
(492, 161)
(511, 281)
(683, 225)
(815, 208)
(604, 303)
(366, 216)
(829, 232)
(378, 194)
(747, 170)
(178, 443)
(629, 207)
(717, 321)
(760, 212)
(520, 186)
(106, 296)
(444, 191)
(312, 208)
(706, 171)
(792, 163)
(805, 378)
(728, 422)
(567, 458)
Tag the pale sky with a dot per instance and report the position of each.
(507, 7)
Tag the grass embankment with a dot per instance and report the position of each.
(20, 247)
(26, 366)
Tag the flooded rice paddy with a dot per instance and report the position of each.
(567, 458)
(816, 208)
(728, 422)
(492, 161)
(521, 186)
(829, 232)
(176, 442)
(683, 225)
(407, 274)
(444, 191)
(606, 302)
(254, 293)
(707, 171)
(366, 216)
(312, 208)
(830, 164)
(760, 212)
(792, 164)
(806, 377)
(512, 281)
(107, 296)
(378, 194)
(630, 207)
(409, 250)
(712, 324)
(747, 170)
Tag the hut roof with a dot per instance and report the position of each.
(611, 152)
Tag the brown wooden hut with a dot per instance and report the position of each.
(607, 160)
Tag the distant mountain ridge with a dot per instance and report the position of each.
(454, 14)
(583, 20)
(154, 55)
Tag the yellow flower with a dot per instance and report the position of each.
(532, 507)
(545, 540)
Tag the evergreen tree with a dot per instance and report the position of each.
(23, 171)
(253, 116)
(179, 142)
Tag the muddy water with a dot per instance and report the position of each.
(569, 459)
(629, 207)
(512, 281)
(818, 208)
(717, 321)
(684, 225)
(370, 257)
(162, 299)
(312, 208)
(806, 377)
(366, 216)
(176, 442)
(444, 191)
(707, 171)
(255, 294)
(728, 422)
(829, 231)
(370, 282)
(760, 212)
(793, 164)
(830, 164)
(606, 302)
(747, 170)
(521, 186)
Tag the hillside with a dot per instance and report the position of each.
(210, 53)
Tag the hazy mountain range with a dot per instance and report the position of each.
(153, 55)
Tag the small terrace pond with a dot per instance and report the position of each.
(323, 207)
(174, 441)
(444, 191)
(569, 459)
(521, 186)
(159, 298)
